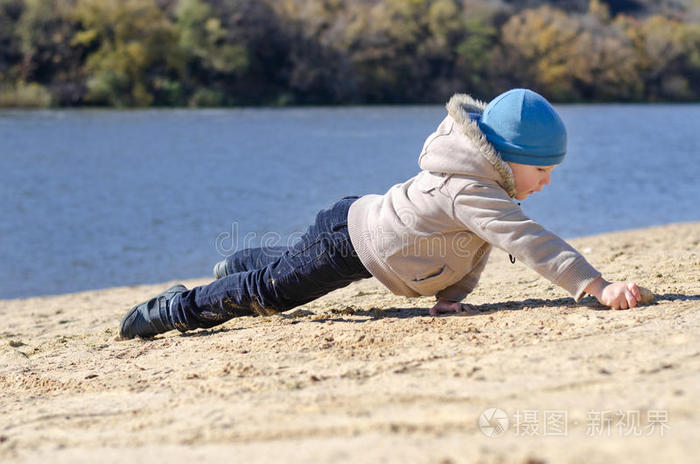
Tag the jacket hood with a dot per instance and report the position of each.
(465, 150)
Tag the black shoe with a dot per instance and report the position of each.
(220, 270)
(151, 317)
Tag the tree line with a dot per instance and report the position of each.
(135, 53)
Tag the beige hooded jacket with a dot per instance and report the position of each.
(431, 235)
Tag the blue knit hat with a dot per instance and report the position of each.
(524, 128)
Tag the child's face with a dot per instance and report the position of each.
(529, 179)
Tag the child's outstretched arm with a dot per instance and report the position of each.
(486, 210)
(617, 295)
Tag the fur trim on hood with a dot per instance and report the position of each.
(459, 107)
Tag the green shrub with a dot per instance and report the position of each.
(24, 95)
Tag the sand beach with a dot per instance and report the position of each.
(527, 376)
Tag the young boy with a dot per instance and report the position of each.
(430, 235)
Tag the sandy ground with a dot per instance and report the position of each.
(364, 376)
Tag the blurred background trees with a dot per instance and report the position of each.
(131, 53)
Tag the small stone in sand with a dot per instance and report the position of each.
(647, 296)
(301, 313)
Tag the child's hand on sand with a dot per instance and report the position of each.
(444, 307)
(617, 295)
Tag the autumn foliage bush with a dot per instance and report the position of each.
(133, 53)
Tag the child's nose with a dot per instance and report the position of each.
(546, 180)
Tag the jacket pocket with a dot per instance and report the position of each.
(431, 282)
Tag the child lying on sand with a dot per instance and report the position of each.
(430, 235)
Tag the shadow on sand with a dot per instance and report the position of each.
(337, 315)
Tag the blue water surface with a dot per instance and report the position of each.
(100, 198)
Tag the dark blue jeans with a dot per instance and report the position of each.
(264, 281)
